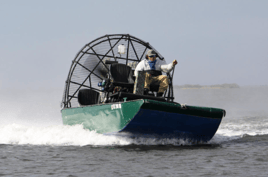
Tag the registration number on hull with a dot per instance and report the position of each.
(116, 106)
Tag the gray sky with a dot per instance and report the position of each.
(214, 41)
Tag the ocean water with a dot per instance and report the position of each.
(34, 142)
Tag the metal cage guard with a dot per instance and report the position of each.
(88, 67)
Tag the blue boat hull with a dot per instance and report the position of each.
(172, 125)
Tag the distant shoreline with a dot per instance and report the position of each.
(218, 86)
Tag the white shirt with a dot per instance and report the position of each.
(159, 66)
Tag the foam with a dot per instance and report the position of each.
(64, 135)
(54, 135)
(231, 131)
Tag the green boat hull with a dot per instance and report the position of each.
(102, 118)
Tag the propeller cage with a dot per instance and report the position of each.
(89, 66)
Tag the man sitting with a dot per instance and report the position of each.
(151, 63)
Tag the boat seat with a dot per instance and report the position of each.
(88, 97)
(121, 75)
(140, 81)
(153, 87)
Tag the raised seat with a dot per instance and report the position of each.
(121, 75)
(154, 87)
(140, 81)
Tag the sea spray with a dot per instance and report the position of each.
(59, 135)
(64, 135)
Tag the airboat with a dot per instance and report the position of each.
(102, 93)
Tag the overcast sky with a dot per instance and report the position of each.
(214, 41)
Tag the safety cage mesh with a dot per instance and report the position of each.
(89, 68)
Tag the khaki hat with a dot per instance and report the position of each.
(151, 52)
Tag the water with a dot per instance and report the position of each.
(33, 141)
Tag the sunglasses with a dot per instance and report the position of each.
(152, 56)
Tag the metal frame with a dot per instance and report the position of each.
(90, 53)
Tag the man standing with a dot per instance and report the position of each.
(154, 64)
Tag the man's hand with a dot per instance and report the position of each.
(174, 62)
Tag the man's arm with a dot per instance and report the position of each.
(167, 68)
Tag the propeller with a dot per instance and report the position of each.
(94, 64)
